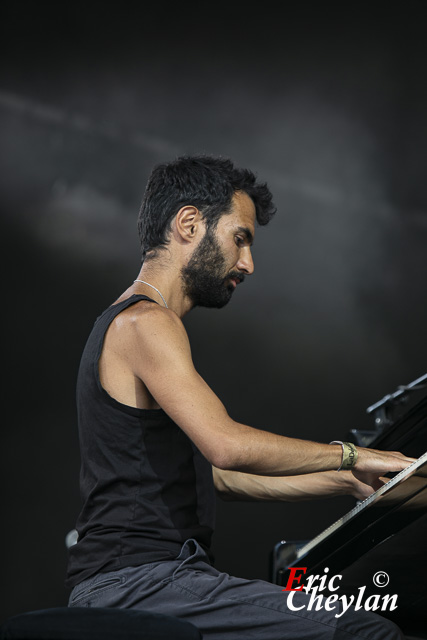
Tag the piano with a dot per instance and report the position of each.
(384, 534)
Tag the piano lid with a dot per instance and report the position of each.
(400, 421)
(408, 434)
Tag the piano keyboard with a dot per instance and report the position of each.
(402, 475)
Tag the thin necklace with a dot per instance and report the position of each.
(150, 285)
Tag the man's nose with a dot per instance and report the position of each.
(245, 262)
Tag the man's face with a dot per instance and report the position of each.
(223, 257)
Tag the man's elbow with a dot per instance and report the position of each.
(225, 456)
(226, 448)
(221, 459)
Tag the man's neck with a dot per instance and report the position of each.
(164, 285)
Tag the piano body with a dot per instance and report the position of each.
(387, 532)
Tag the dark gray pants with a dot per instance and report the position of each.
(223, 607)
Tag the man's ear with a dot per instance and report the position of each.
(188, 223)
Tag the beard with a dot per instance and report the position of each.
(205, 276)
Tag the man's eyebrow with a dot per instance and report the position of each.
(247, 233)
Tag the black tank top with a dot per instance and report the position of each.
(145, 486)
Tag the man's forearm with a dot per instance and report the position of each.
(234, 485)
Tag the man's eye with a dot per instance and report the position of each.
(239, 241)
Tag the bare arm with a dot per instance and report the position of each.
(233, 485)
(156, 348)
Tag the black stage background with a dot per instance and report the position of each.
(329, 107)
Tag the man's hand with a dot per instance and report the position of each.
(361, 489)
(372, 465)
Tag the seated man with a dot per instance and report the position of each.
(155, 440)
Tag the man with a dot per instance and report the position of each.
(156, 440)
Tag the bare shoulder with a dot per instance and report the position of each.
(147, 312)
(149, 326)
